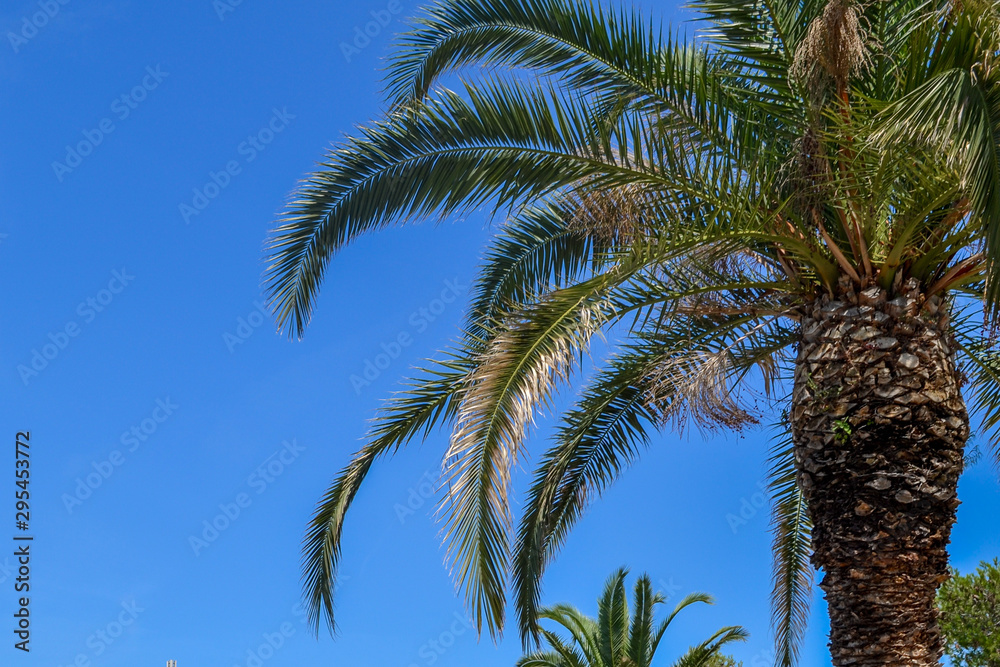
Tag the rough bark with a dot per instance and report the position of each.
(879, 427)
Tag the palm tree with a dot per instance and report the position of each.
(620, 638)
(798, 209)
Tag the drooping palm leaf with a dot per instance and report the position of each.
(792, 576)
(415, 411)
(538, 251)
(515, 377)
(608, 429)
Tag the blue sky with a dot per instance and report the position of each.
(160, 402)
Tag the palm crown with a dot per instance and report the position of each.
(690, 198)
(620, 637)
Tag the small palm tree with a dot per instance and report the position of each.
(619, 637)
(800, 204)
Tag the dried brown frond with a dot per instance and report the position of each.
(808, 172)
(504, 393)
(743, 263)
(609, 216)
(695, 387)
(835, 46)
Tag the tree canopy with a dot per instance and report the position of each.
(970, 616)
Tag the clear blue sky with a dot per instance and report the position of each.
(163, 397)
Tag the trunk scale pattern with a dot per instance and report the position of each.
(879, 428)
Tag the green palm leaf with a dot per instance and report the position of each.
(792, 573)
(413, 412)
(558, 37)
(538, 251)
(620, 636)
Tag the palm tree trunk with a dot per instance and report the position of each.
(879, 427)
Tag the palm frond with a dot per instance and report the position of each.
(546, 659)
(980, 364)
(691, 195)
(607, 430)
(700, 655)
(619, 637)
(410, 166)
(687, 601)
(562, 655)
(411, 413)
(613, 618)
(602, 436)
(584, 630)
(503, 143)
(640, 640)
(957, 111)
(792, 576)
(536, 252)
(514, 377)
(616, 54)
